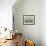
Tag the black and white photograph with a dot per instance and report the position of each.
(29, 19)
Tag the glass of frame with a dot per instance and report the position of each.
(28, 19)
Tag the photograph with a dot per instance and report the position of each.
(29, 19)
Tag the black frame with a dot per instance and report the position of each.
(29, 24)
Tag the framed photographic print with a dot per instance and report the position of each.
(28, 19)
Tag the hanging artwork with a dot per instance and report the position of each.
(28, 19)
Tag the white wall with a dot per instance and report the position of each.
(39, 28)
(6, 13)
(29, 7)
(43, 22)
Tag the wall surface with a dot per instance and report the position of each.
(28, 7)
(6, 13)
(36, 32)
(43, 22)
